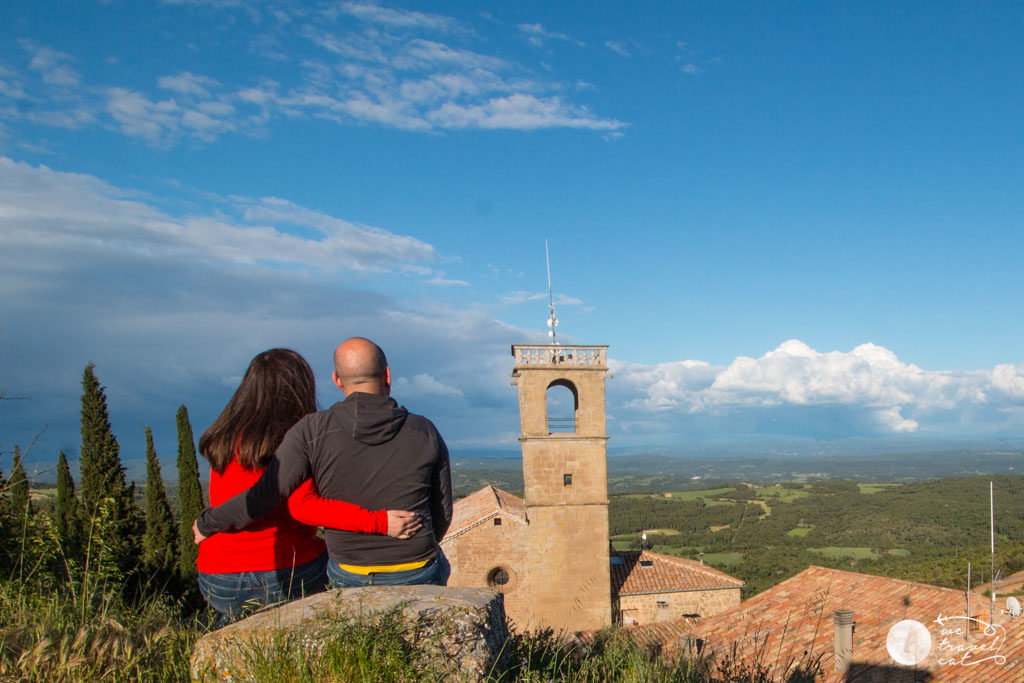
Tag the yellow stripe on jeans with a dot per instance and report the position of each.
(358, 569)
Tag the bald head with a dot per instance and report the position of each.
(360, 365)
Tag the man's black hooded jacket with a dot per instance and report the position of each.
(366, 450)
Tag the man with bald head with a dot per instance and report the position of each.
(366, 450)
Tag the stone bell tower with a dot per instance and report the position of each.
(565, 472)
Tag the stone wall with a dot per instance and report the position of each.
(547, 460)
(651, 608)
(475, 553)
(462, 629)
(569, 575)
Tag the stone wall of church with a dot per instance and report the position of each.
(562, 470)
(568, 578)
(486, 549)
(654, 607)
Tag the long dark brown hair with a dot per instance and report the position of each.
(277, 391)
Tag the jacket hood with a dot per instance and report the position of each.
(376, 419)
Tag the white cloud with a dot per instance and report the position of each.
(423, 384)
(441, 281)
(618, 47)
(869, 380)
(188, 84)
(424, 54)
(138, 116)
(55, 66)
(1008, 380)
(10, 85)
(520, 112)
(398, 18)
(395, 73)
(536, 34)
(41, 208)
(522, 297)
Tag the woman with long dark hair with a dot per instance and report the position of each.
(280, 557)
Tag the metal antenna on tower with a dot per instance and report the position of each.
(552, 320)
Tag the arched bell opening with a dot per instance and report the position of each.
(563, 405)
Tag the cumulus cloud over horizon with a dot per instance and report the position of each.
(886, 394)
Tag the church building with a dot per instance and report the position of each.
(549, 552)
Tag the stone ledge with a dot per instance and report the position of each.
(464, 627)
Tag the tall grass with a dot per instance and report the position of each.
(614, 656)
(50, 633)
(62, 622)
(361, 649)
(96, 634)
(379, 650)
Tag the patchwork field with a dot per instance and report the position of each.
(838, 553)
(874, 488)
(726, 559)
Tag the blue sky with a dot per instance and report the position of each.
(786, 219)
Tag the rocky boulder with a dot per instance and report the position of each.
(463, 630)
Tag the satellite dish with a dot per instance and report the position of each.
(1013, 606)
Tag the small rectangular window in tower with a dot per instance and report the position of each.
(497, 521)
(567, 479)
(662, 604)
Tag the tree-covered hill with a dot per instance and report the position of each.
(926, 531)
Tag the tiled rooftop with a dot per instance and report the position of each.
(659, 637)
(647, 572)
(481, 506)
(795, 617)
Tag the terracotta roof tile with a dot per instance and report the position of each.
(481, 506)
(795, 617)
(647, 572)
(661, 637)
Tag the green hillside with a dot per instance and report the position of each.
(925, 531)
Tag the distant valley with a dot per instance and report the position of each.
(653, 472)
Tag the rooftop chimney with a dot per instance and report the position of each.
(842, 648)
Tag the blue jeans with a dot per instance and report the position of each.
(237, 594)
(340, 578)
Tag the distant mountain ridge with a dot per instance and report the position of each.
(906, 459)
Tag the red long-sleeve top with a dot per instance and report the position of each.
(287, 537)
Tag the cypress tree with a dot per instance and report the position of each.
(21, 506)
(68, 512)
(100, 458)
(190, 495)
(5, 525)
(160, 540)
(107, 499)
